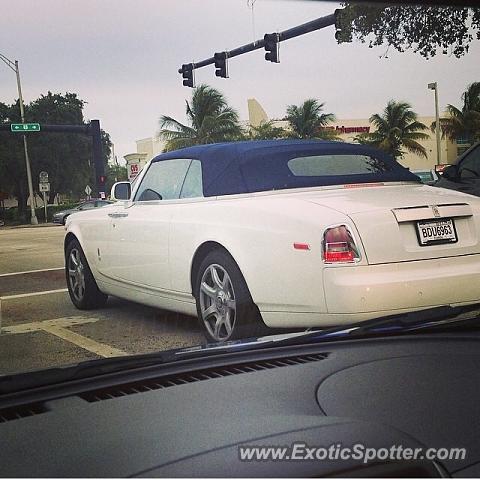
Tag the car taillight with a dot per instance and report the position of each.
(339, 245)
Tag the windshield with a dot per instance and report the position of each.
(274, 166)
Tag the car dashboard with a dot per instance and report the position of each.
(189, 418)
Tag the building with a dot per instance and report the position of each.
(346, 130)
(147, 148)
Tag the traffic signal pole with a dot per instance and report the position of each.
(93, 130)
(293, 32)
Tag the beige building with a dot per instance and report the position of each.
(346, 129)
(147, 148)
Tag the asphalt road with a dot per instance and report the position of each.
(41, 328)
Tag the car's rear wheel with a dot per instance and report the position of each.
(82, 288)
(224, 304)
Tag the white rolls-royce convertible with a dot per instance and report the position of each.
(279, 234)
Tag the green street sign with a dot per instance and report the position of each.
(25, 127)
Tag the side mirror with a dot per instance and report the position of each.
(121, 191)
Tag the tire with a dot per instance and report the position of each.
(225, 307)
(82, 288)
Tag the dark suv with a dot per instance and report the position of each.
(464, 176)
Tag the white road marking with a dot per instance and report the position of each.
(63, 322)
(33, 294)
(31, 271)
(84, 342)
(58, 327)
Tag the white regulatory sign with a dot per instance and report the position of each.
(44, 187)
(43, 177)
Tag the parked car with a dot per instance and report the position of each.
(428, 177)
(60, 217)
(464, 175)
(280, 234)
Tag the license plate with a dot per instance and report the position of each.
(434, 232)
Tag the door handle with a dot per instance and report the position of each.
(118, 214)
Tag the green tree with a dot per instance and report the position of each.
(308, 121)
(265, 131)
(465, 122)
(397, 129)
(115, 173)
(423, 28)
(12, 159)
(67, 157)
(210, 120)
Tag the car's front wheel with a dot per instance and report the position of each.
(224, 304)
(82, 288)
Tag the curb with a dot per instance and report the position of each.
(40, 225)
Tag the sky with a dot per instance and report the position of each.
(122, 57)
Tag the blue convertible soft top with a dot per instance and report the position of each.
(255, 166)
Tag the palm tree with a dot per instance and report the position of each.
(464, 123)
(397, 128)
(308, 121)
(266, 131)
(211, 120)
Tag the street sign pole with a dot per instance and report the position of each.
(44, 187)
(45, 205)
(33, 218)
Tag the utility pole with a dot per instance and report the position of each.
(433, 86)
(14, 67)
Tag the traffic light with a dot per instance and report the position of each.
(341, 35)
(271, 46)
(103, 179)
(221, 64)
(188, 75)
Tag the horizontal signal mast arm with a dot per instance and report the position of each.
(293, 32)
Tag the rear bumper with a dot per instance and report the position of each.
(400, 286)
(357, 293)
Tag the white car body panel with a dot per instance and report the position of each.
(147, 256)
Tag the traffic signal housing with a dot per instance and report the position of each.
(271, 41)
(341, 34)
(188, 75)
(221, 64)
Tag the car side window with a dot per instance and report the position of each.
(470, 165)
(87, 206)
(163, 180)
(193, 184)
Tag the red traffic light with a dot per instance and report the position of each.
(103, 178)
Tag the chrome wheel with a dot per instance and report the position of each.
(76, 274)
(217, 302)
